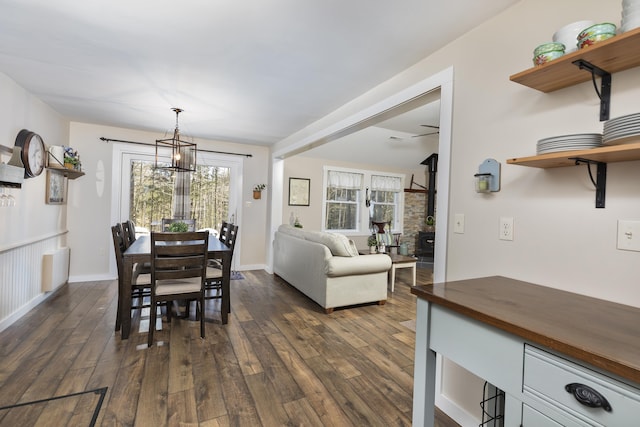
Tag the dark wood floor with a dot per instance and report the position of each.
(280, 361)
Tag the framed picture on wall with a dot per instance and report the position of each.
(299, 191)
(56, 188)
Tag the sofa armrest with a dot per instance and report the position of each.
(337, 266)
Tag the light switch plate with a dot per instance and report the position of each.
(458, 224)
(629, 235)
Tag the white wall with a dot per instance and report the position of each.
(30, 228)
(90, 215)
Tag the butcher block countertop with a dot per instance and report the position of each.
(601, 333)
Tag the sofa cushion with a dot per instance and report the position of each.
(337, 243)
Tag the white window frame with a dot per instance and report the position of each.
(363, 211)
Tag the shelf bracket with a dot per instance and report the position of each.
(605, 86)
(601, 178)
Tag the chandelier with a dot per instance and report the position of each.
(183, 153)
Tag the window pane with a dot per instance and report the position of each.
(384, 204)
(342, 216)
(152, 194)
(342, 209)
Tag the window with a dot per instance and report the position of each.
(211, 194)
(342, 196)
(347, 190)
(385, 191)
(161, 193)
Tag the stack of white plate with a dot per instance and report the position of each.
(578, 141)
(621, 129)
(630, 15)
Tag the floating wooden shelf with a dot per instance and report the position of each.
(618, 53)
(609, 154)
(69, 173)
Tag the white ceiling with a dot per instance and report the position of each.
(248, 71)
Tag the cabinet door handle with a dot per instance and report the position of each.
(588, 396)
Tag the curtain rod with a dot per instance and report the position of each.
(102, 138)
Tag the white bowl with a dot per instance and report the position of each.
(568, 34)
(636, 12)
(628, 26)
(630, 11)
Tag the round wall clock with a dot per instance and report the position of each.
(33, 152)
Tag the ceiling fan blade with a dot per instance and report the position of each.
(424, 134)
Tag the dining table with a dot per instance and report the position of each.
(140, 252)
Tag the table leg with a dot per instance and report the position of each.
(413, 268)
(225, 308)
(124, 295)
(393, 276)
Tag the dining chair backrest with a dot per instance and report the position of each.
(228, 233)
(232, 234)
(119, 246)
(178, 255)
(128, 232)
(166, 223)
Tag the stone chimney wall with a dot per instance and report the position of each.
(415, 212)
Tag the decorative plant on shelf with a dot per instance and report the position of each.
(178, 227)
(372, 242)
(257, 190)
(430, 223)
(71, 158)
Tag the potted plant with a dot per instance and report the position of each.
(372, 242)
(257, 190)
(70, 162)
(430, 223)
(178, 227)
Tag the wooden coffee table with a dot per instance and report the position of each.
(398, 261)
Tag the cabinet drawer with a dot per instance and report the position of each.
(547, 378)
(533, 418)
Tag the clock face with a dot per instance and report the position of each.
(33, 152)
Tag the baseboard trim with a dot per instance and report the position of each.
(16, 315)
(455, 412)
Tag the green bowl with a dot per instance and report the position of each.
(548, 47)
(603, 28)
(588, 41)
(543, 58)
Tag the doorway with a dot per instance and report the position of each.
(406, 100)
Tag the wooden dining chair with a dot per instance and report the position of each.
(140, 286)
(178, 271)
(213, 284)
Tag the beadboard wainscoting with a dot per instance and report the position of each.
(21, 276)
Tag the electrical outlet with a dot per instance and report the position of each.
(458, 224)
(506, 228)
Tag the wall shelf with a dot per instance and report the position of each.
(618, 53)
(608, 154)
(69, 173)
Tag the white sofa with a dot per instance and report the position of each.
(326, 267)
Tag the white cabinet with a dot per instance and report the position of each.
(581, 394)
